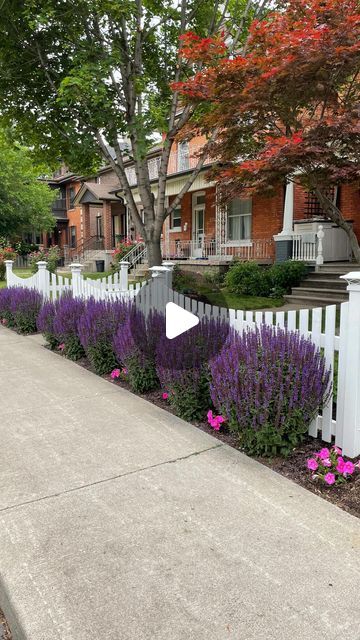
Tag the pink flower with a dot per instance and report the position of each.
(340, 465)
(4, 321)
(324, 453)
(349, 467)
(61, 346)
(165, 395)
(115, 374)
(326, 463)
(124, 371)
(337, 449)
(329, 478)
(215, 421)
(312, 464)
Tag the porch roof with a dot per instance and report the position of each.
(93, 193)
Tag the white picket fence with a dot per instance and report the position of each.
(339, 419)
(52, 286)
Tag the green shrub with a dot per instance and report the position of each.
(51, 256)
(183, 282)
(286, 275)
(248, 279)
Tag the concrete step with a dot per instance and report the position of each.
(338, 268)
(330, 294)
(311, 301)
(324, 283)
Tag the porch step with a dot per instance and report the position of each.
(311, 301)
(318, 281)
(339, 268)
(337, 296)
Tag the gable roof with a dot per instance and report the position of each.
(93, 193)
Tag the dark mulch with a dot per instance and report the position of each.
(345, 496)
(5, 633)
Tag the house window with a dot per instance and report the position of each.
(72, 237)
(99, 226)
(175, 219)
(71, 197)
(183, 156)
(239, 220)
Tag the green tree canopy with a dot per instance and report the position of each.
(25, 201)
(78, 79)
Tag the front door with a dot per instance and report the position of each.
(198, 230)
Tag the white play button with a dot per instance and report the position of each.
(178, 320)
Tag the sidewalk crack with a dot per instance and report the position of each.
(110, 479)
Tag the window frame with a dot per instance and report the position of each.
(183, 156)
(241, 241)
(71, 237)
(173, 228)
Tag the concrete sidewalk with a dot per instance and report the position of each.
(119, 521)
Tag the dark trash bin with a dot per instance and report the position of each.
(100, 266)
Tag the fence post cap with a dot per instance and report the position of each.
(167, 263)
(76, 265)
(124, 263)
(42, 264)
(353, 277)
(161, 269)
(8, 261)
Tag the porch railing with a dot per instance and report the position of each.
(210, 248)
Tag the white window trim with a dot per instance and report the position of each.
(247, 242)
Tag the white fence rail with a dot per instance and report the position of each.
(52, 286)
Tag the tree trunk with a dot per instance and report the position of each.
(154, 251)
(336, 216)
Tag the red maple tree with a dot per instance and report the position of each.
(288, 106)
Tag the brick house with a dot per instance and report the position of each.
(92, 216)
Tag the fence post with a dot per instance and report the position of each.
(351, 415)
(9, 271)
(319, 256)
(43, 278)
(124, 273)
(76, 279)
(169, 275)
(159, 288)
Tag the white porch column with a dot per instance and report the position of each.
(284, 239)
(288, 218)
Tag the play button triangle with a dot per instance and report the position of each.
(178, 320)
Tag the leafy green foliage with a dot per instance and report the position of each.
(25, 202)
(249, 278)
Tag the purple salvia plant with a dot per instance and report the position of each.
(270, 384)
(135, 345)
(96, 329)
(5, 301)
(69, 310)
(45, 323)
(25, 305)
(182, 366)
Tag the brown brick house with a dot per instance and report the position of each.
(96, 217)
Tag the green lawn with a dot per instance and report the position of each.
(247, 303)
